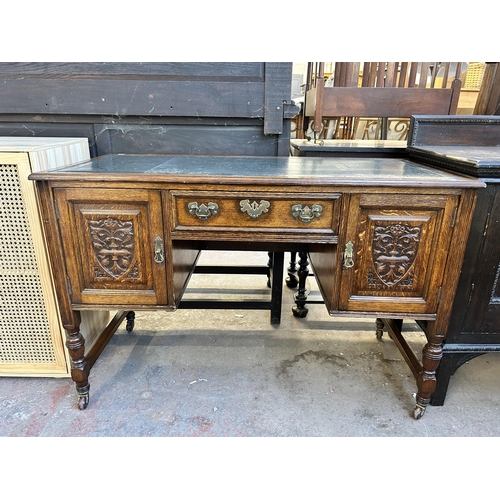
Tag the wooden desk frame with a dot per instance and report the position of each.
(125, 232)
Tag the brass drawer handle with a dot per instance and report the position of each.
(159, 250)
(348, 260)
(306, 214)
(254, 209)
(203, 212)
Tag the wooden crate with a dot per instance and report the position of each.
(31, 334)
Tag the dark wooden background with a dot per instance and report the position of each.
(164, 108)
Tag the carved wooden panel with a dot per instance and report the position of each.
(114, 248)
(113, 234)
(394, 250)
(397, 252)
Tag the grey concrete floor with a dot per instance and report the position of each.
(230, 373)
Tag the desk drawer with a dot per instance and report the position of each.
(256, 211)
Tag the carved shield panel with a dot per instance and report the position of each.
(113, 246)
(394, 250)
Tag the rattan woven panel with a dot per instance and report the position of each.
(24, 326)
(474, 75)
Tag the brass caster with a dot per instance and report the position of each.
(83, 402)
(83, 397)
(418, 411)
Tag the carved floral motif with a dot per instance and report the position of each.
(394, 250)
(114, 247)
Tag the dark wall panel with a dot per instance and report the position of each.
(178, 139)
(160, 137)
(132, 97)
(227, 71)
(169, 108)
(14, 128)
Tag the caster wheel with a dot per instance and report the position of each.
(83, 402)
(418, 412)
(300, 312)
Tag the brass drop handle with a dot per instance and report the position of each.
(348, 261)
(203, 212)
(306, 214)
(159, 250)
(254, 209)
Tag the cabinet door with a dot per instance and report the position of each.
(482, 309)
(113, 242)
(399, 248)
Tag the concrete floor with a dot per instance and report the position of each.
(230, 373)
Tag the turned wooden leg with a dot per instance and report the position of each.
(293, 280)
(76, 349)
(277, 287)
(130, 321)
(379, 324)
(431, 356)
(269, 268)
(300, 310)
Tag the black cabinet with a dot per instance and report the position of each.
(468, 145)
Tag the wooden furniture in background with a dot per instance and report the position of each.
(355, 148)
(469, 145)
(31, 334)
(488, 100)
(471, 87)
(386, 90)
(378, 234)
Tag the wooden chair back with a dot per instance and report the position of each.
(385, 90)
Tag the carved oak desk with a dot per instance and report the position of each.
(385, 237)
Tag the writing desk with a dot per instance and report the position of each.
(385, 237)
